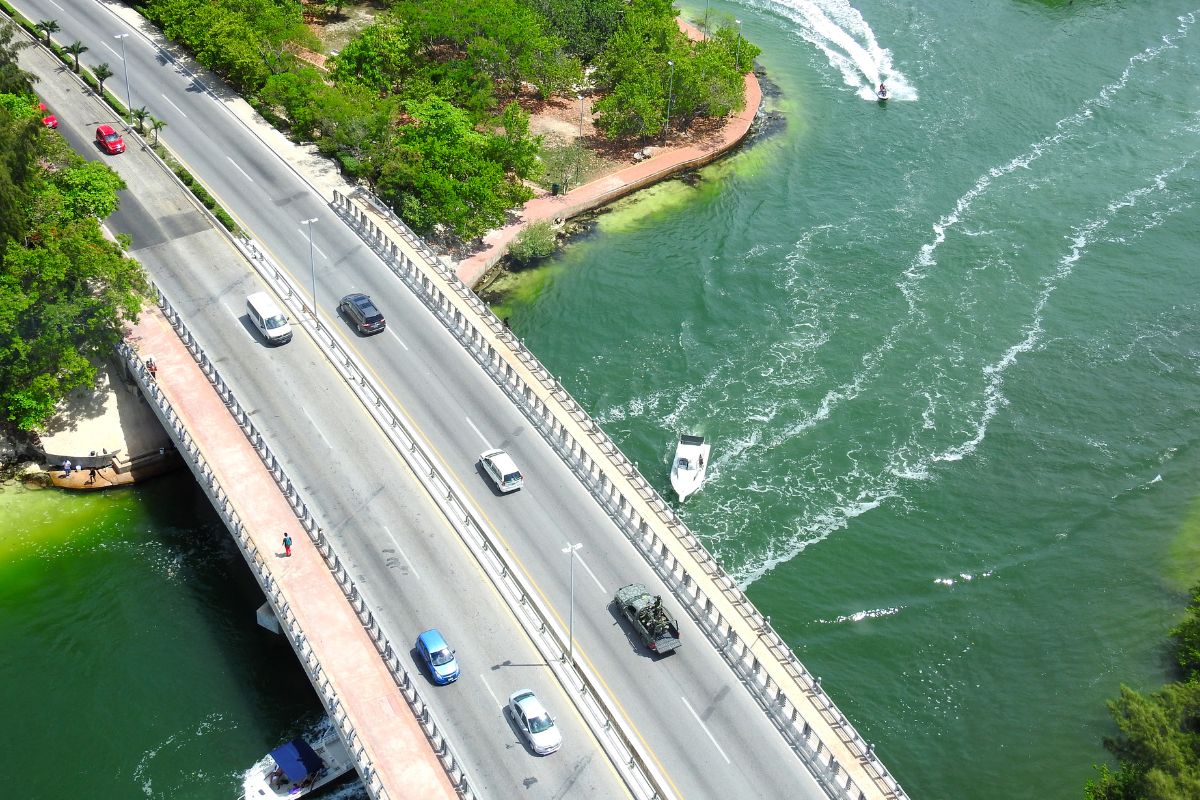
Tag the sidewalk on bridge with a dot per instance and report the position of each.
(387, 729)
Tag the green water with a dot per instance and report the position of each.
(946, 350)
(132, 665)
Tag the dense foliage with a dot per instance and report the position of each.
(456, 68)
(64, 288)
(1158, 744)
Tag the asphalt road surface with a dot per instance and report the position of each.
(700, 725)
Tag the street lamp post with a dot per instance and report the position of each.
(670, 97)
(737, 56)
(312, 265)
(128, 88)
(571, 549)
(581, 116)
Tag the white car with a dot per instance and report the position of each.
(502, 470)
(534, 722)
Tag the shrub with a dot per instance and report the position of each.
(537, 241)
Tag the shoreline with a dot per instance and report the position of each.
(663, 164)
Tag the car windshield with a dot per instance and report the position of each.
(440, 657)
(277, 321)
(111, 137)
(540, 723)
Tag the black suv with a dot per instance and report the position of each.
(359, 309)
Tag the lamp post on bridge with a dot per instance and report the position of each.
(128, 88)
(571, 549)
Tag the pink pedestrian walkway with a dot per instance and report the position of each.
(604, 190)
(394, 742)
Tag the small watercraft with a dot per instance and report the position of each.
(690, 466)
(882, 93)
(298, 768)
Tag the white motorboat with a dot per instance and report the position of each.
(690, 466)
(298, 768)
(882, 93)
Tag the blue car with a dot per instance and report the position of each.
(438, 657)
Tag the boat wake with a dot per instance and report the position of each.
(839, 31)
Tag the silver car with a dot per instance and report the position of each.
(534, 722)
(503, 471)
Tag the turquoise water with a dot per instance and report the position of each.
(947, 354)
(133, 666)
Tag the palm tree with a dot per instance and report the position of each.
(49, 26)
(76, 48)
(140, 114)
(157, 125)
(102, 72)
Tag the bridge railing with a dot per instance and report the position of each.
(640, 774)
(782, 686)
(206, 477)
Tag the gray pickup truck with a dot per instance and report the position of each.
(658, 629)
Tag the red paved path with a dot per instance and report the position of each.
(387, 729)
(618, 184)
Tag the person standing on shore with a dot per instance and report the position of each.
(287, 545)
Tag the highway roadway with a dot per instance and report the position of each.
(701, 727)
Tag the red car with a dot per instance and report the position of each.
(48, 119)
(109, 140)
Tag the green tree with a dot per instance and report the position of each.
(139, 115)
(103, 72)
(157, 125)
(65, 289)
(48, 26)
(437, 173)
(76, 49)
(13, 79)
(88, 189)
(1158, 747)
(379, 57)
(1187, 637)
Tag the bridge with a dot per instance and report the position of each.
(368, 447)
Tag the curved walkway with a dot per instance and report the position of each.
(602, 191)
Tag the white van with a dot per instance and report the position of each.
(503, 471)
(269, 318)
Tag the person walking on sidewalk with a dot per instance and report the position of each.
(287, 545)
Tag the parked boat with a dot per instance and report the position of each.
(298, 768)
(690, 466)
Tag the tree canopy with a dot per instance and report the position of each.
(65, 289)
(1157, 745)
(427, 71)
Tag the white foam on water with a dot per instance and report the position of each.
(840, 31)
(1081, 238)
(859, 616)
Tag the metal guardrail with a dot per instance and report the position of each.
(205, 476)
(639, 773)
(779, 702)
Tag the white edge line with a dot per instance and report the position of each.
(239, 169)
(489, 689)
(486, 443)
(392, 331)
(704, 728)
(317, 428)
(599, 585)
(177, 108)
